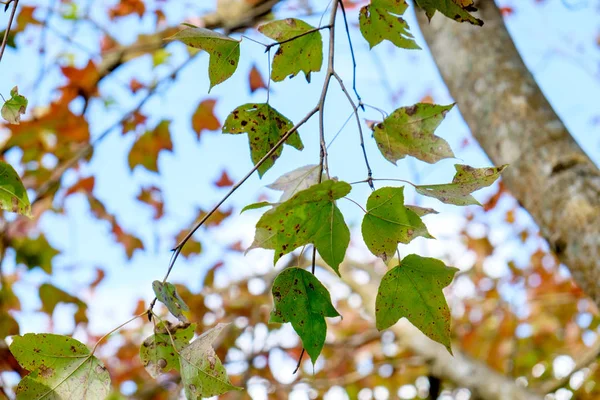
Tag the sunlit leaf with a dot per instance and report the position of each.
(413, 290)
(61, 368)
(466, 181)
(157, 352)
(408, 131)
(295, 181)
(224, 51)
(381, 20)
(202, 373)
(302, 54)
(302, 300)
(388, 222)
(310, 216)
(167, 294)
(265, 127)
(13, 196)
(14, 107)
(457, 10)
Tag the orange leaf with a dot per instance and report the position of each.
(204, 117)
(135, 85)
(81, 82)
(127, 7)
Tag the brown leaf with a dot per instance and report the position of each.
(153, 197)
(135, 85)
(136, 119)
(146, 149)
(256, 80)
(129, 241)
(204, 117)
(224, 180)
(192, 246)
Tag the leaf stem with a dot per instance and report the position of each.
(384, 179)
(361, 207)
(271, 45)
(10, 21)
(116, 329)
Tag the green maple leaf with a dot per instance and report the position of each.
(202, 373)
(413, 290)
(408, 131)
(381, 20)
(61, 368)
(302, 54)
(167, 294)
(457, 10)
(265, 127)
(157, 352)
(302, 300)
(224, 51)
(388, 222)
(310, 216)
(13, 196)
(466, 180)
(13, 108)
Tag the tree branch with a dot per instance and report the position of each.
(508, 114)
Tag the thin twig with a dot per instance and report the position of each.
(87, 149)
(7, 31)
(360, 130)
(384, 179)
(323, 146)
(269, 46)
(177, 249)
(116, 329)
(360, 104)
(359, 206)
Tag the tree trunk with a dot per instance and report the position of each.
(508, 114)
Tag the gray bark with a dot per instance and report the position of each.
(549, 174)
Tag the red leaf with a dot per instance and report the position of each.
(224, 180)
(84, 185)
(506, 11)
